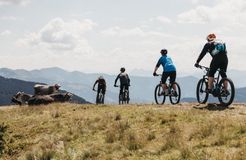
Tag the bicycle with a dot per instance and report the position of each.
(174, 96)
(225, 96)
(124, 96)
(100, 97)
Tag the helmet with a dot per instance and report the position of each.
(100, 77)
(57, 86)
(163, 51)
(211, 37)
(122, 69)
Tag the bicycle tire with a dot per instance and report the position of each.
(158, 95)
(175, 99)
(200, 90)
(231, 90)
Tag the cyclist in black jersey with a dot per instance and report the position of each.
(219, 60)
(124, 80)
(101, 85)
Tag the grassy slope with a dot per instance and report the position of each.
(70, 131)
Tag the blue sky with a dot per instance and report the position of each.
(104, 35)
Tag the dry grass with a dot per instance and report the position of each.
(75, 132)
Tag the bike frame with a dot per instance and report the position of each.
(216, 79)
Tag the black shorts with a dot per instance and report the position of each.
(165, 75)
(101, 86)
(219, 62)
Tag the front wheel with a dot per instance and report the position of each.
(227, 91)
(159, 95)
(175, 93)
(201, 91)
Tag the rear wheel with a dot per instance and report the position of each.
(159, 95)
(201, 94)
(175, 95)
(227, 94)
(120, 99)
(101, 97)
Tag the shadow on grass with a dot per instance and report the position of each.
(213, 107)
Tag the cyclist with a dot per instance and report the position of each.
(124, 80)
(101, 85)
(219, 60)
(169, 70)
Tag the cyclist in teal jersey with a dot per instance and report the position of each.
(169, 69)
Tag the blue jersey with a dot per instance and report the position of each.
(166, 63)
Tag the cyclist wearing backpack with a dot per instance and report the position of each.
(219, 59)
(169, 70)
(124, 80)
(101, 85)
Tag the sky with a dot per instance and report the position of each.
(101, 36)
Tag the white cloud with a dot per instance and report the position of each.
(199, 15)
(8, 18)
(14, 2)
(5, 33)
(61, 35)
(222, 13)
(164, 19)
(132, 32)
(118, 31)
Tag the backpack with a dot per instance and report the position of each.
(219, 47)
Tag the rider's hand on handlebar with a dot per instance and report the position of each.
(154, 74)
(197, 65)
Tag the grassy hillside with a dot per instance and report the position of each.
(77, 132)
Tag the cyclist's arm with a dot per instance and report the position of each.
(203, 53)
(128, 79)
(116, 79)
(95, 84)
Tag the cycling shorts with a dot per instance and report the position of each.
(219, 62)
(165, 75)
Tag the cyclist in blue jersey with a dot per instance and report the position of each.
(169, 70)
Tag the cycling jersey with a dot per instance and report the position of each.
(101, 85)
(124, 79)
(166, 63)
(219, 61)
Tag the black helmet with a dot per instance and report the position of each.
(122, 69)
(164, 51)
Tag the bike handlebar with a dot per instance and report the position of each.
(157, 75)
(201, 67)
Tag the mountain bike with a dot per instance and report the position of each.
(174, 95)
(100, 97)
(225, 94)
(124, 96)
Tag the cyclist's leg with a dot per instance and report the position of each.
(164, 77)
(173, 79)
(213, 69)
(121, 88)
(223, 68)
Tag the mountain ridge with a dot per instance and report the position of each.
(141, 90)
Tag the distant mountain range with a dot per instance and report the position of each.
(141, 89)
(10, 86)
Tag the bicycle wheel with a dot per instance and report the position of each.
(201, 94)
(100, 98)
(227, 94)
(175, 95)
(127, 96)
(159, 95)
(120, 99)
